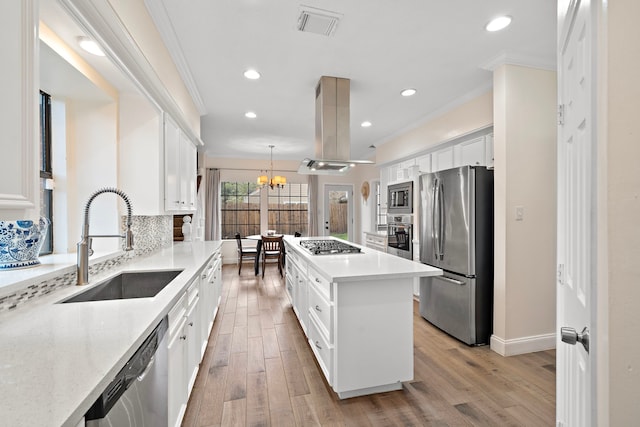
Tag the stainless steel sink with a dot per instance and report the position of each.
(129, 284)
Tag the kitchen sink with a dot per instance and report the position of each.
(129, 284)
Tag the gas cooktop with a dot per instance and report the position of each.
(328, 247)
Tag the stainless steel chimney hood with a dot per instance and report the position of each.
(333, 134)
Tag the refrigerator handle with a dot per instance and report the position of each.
(441, 221)
(434, 210)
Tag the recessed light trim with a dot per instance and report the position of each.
(252, 74)
(408, 92)
(365, 124)
(90, 46)
(250, 115)
(499, 23)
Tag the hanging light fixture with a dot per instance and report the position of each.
(276, 181)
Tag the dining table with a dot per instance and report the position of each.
(258, 237)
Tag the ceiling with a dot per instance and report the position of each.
(437, 47)
(440, 48)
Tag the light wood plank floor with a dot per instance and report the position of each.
(259, 371)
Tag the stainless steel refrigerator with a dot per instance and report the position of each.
(456, 235)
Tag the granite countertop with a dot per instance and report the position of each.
(56, 359)
(369, 264)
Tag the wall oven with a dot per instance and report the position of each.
(400, 235)
(400, 198)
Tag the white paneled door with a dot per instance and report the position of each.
(576, 216)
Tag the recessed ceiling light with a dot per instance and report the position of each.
(250, 115)
(408, 92)
(498, 23)
(90, 46)
(252, 74)
(365, 124)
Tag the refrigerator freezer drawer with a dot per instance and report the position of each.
(451, 303)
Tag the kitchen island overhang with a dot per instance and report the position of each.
(357, 315)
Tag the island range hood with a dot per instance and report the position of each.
(333, 134)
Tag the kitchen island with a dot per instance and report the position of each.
(356, 310)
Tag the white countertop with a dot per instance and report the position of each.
(56, 359)
(367, 265)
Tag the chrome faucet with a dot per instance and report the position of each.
(84, 245)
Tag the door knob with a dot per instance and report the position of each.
(570, 336)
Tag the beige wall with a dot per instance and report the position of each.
(470, 116)
(525, 251)
(234, 168)
(136, 18)
(621, 202)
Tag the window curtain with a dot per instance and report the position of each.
(212, 205)
(313, 204)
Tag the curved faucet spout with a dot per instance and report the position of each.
(84, 245)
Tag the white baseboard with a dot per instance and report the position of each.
(522, 345)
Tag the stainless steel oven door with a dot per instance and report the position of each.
(399, 239)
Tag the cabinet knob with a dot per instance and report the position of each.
(190, 323)
(183, 337)
(318, 309)
(318, 345)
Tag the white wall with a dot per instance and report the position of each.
(525, 176)
(141, 154)
(92, 159)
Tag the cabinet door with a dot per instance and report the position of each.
(472, 152)
(172, 165)
(177, 383)
(442, 159)
(192, 331)
(188, 174)
(19, 143)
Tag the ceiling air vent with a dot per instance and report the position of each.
(318, 21)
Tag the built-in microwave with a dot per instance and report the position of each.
(400, 198)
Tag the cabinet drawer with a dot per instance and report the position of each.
(177, 314)
(323, 284)
(321, 348)
(323, 310)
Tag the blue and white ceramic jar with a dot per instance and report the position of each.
(20, 243)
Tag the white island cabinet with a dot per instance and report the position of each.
(358, 310)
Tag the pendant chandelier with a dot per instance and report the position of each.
(276, 181)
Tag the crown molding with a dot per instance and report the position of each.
(101, 22)
(163, 23)
(514, 58)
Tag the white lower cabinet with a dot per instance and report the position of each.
(177, 351)
(190, 323)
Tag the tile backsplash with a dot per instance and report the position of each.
(150, 233)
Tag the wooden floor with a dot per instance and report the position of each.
(259, 371)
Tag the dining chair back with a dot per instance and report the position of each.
(272, 248)
(245, 252)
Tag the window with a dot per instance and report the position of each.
(240, 209)
(288, 209)
(46, 173)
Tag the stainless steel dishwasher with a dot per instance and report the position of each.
(138, 395)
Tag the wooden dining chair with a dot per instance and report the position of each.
(245, 252)
(272, 248)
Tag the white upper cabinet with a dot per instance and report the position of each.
(180, 169)
(442, 159)
(472, 152)
(19, 111)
